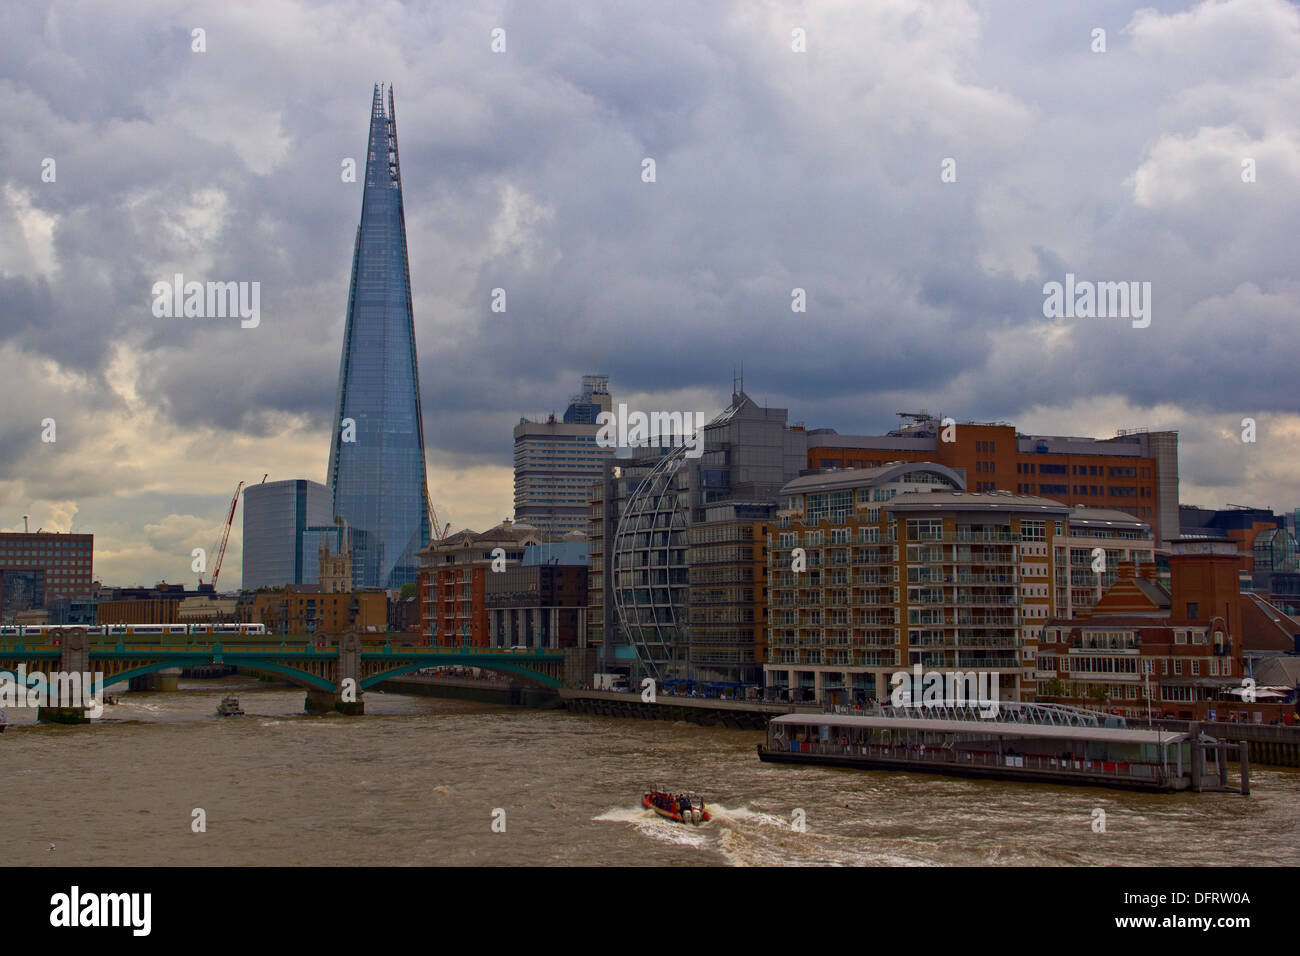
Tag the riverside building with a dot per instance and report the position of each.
(901, 566)
(1120, 536)
(678, 570)
(1172, 652)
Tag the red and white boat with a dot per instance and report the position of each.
(678, 807)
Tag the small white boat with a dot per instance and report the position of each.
(229, 707)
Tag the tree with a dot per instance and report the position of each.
(409, 590)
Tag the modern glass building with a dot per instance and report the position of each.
(276, 514)
(677, 569)
(377, 468)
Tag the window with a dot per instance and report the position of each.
(924, 529)
(1033, 530)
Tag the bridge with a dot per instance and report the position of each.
(335, 675)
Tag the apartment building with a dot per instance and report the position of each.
(1088, 558)
(453, 582)
(902, 567)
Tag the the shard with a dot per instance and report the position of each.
(376, 470)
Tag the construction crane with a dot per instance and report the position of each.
(225, 536)
(433, 516)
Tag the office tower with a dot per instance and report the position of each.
(276, 515)
(377, 466)
(678, 562)
(557, 462)
(41, 568)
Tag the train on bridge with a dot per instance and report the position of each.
(138, 633)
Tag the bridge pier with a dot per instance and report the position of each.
(346, 696)
(73, 659)
(324, 701)
(168, 680)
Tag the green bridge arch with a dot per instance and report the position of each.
(190, 656)
(462, 660)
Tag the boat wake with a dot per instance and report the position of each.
(650, 824)
(746, 837)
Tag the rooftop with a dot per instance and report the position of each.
(869, 477)
(975, 501)
(1105, 517)
(993, 728)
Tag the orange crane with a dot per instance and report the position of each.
(225, 536)
(433, 516)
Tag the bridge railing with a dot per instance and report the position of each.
(200, 647)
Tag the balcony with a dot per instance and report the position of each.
(964, 556)
(871, 578)
(987, 600)
(1003, 661)
(878, 659)
(994, 536)
(968, 577)
(875, 643)
(986, 620)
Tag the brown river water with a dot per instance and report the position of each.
(420, 781)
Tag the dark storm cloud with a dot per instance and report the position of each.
(775, 171)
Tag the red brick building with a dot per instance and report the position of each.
(1175, 653)
(1134, 472)
(453, 582)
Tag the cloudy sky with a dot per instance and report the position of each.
(775, 169)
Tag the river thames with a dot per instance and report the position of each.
(420, 781)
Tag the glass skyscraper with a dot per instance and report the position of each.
(275, 515)
(376, 470)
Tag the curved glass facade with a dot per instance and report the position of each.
(651, 583)
(377, 467)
